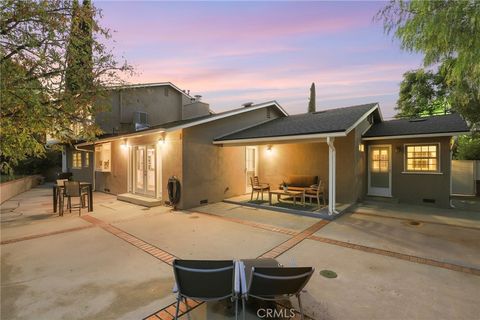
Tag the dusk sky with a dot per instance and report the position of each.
(235, 52)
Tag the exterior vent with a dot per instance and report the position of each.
(198, 97)
(247, 104)
(425, 200)
(140, 120)
(205, 201)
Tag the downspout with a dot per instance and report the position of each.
(93, 162)
(331, 176)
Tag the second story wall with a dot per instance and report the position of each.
(162, 104)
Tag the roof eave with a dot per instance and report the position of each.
(364, 116)
(274, 139)
(418, 135)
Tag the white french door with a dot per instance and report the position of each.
(380, 170)
(251, 165)
(144, 170)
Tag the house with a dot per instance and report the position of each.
(353, 150)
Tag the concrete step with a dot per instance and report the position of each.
(139, 200)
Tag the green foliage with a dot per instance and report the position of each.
(447, 33)
(312, 101)
(468, 148)
(34, 61)
(422, 93)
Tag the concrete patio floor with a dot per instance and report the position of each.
(77, 268)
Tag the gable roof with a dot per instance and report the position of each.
(443, 125)
(182, 124)
(332, 122)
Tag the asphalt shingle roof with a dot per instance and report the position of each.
(428, 125)
(327, 121)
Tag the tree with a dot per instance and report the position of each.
(422, 93)
(33, 65)
(446, 32)
(311, 102)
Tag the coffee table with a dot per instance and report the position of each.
(290, 193)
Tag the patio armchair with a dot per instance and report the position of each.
(74, 190)
(258, 187)
(206, 280)
(315, 192)
(273, 283)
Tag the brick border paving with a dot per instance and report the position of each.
(402, 256)
(41, 235)
(168, 312)
(146, 247)
(258, 225)
(413, 219)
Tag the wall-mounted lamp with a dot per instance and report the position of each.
(124, 144)
(269, 148)
(361, 147)
(161, 140)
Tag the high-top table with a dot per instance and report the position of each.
(57, 191)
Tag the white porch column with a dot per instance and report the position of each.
(331, 176)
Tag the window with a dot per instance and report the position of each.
(380, 160)
(422, 158)
(77, 160)
(86, 160)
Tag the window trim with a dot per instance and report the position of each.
(74, 166)
(439, 158)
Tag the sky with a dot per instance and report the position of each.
(237, 52)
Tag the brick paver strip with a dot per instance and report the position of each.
(263, 226)
(397, 255)
(413, 219)
(275, 252)
(146, 247)
(290, 243)
(41, 235)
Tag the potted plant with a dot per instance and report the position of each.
(284, 186)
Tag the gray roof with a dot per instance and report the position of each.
(327, 121)
(450, 123)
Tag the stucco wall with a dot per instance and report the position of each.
(414, 187)
(310, 159)
(11, 188)
(160, 106)
(213, 172)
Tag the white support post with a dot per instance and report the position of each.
(64, 159)
(331, 176)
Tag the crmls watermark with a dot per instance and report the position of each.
(266, 313)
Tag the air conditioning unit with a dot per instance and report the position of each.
(140, 120)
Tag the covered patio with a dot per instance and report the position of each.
(322, 149)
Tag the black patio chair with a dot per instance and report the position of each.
(74, 190)
(274, 283)
(206, 280)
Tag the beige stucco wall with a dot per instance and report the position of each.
(212, 172)
(11, 188)
(160, 106)
(414, 187)
(310, 159)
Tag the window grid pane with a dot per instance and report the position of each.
(422, 158)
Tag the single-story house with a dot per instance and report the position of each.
(352, 150)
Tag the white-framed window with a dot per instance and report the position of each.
(422, 158)
(76, 160)
(86, 159)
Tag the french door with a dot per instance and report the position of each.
(380, 171)
(144, 171)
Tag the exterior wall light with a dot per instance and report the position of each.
(124, 144)
(162, 139)
(361, 147)
(269, 148)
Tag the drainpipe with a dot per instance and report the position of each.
(331, 176)
(93, 162)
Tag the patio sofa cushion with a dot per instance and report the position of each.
(301, 181)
